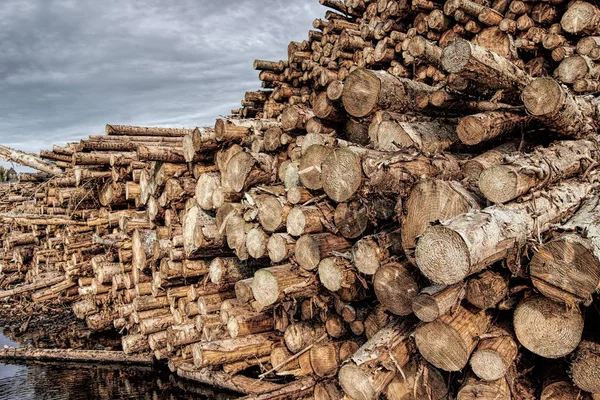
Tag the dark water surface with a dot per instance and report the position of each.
(78, 381)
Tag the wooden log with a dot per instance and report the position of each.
(275, 283)
(581, 18)
(370, 252)
(472, 168)
(236, 383)
(74, 355)
(484, 66)
(450, 252)
(561, 390)
(494, 355)
(374, 364)
(416, 381)
(226, 351)
(584, 367)
(311, 249)
(567, 268)
(448, 342)
(547, 328)
(145, 131)
(477, 128)
(567, 114)
(561, 160)
(487, 289)
(368, 91)
(299, 336)
(28, 160)
(395, 286)
(429, 201)
(437, 300)
(476, 389)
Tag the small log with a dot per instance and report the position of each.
(494, 355)
(448, 342)
(437, 300)
(74, 355)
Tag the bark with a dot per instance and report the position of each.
(568, 114)
(545, 165)
(448, 342)
(547, 328)
(468, 243)
(368, 91)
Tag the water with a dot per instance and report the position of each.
(78, 381)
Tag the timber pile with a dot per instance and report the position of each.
(412, 194)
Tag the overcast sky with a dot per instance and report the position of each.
(68, 67)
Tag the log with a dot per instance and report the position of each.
(581, 17)
(559, 110)
(368, 91)
(448, 342)
(429, 201)
(494, 355)
(475, 389)
(437, 300)
(585, 367)
(545, 165)
(395, 286)
(374, 364)
(74, 355)
(477, 128)
(468, 243)
(417, 381)
(145, 131)
(567, 268)
(311, 249)
(547, 328)
(487, 289)
(227, 351)
(236, 383)
(29, 160)
(275, 283)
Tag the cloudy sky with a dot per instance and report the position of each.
(68, 67)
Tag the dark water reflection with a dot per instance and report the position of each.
(74, 381)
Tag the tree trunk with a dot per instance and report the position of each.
(28, 160)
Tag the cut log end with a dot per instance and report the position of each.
(442, 255)
(361, 93)
(499, 184)
(547, 328)
(456, 55)
(265, 287)
(441, 346)
(341, 174)
(488, 364)
(543, 96)
(585, 369)
(307, 252)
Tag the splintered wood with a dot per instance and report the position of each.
(408, 209)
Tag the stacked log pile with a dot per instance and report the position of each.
(413, 194)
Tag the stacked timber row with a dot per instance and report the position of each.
(407, 210)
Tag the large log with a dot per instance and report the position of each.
(29, 160)
(545, 165)
(368, 91)
(145, 131)
(567, 268)
(468, 243)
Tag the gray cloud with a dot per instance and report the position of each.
(68, 67)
